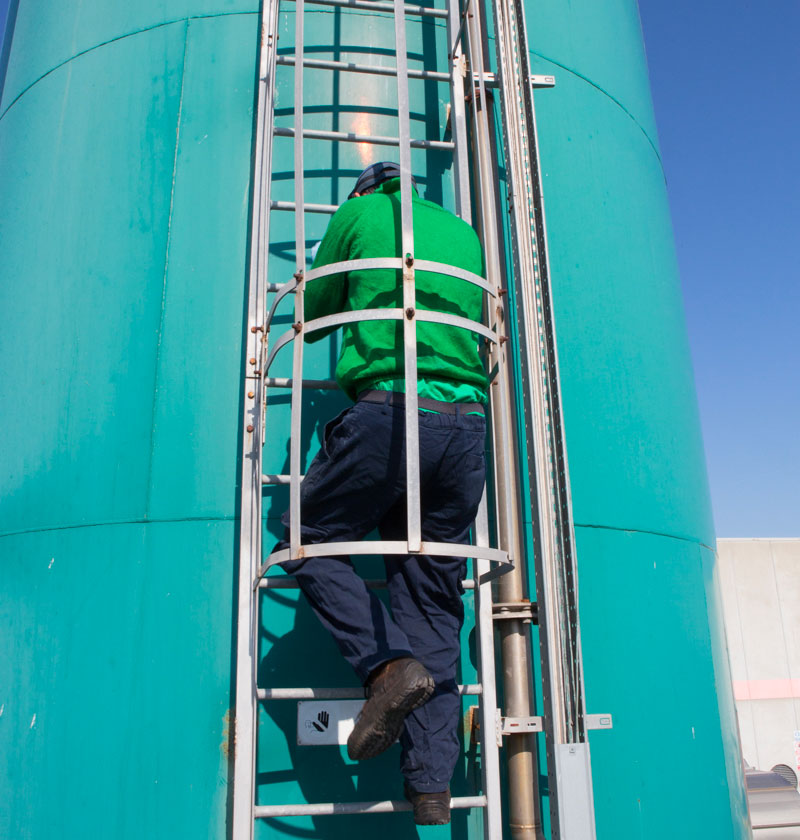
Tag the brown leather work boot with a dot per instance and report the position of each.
(429, 808)
(393, 690)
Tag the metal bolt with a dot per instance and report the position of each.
(256, 329)
(409, 313)
(409, 260)
(297, 327)
(251, 394)
(502, 292)
(503, 339)
(249, 428)
(298, 275)
(253, 360)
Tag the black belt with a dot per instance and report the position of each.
(397, 398)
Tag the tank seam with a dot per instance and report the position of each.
(691, 540)
(111, 41)
(114, 522)
(610, 96)
(151, 454)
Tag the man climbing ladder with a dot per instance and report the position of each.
(357, 482)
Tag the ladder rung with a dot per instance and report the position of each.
(385, 807)
(281, 582)
(275, 478)
(353, 693)
(308, 208)
(318, 384)
(422, 11)
(375, 69)
(375, 140)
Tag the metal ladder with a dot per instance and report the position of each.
(464, 37)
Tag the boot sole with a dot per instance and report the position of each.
(385, 722)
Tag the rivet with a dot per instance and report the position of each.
(409, 313)
(250, 394)
(253, 360)
(409, 260)
(249, 428)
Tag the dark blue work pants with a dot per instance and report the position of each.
(357, 483)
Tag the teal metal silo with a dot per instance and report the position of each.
(125, 175)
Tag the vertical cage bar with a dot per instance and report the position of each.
(458, 117)
(300, 255)
(409, 287)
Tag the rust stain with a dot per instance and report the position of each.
(227, 741)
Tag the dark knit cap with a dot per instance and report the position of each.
(376, 174)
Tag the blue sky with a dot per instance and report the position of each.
(726, 87)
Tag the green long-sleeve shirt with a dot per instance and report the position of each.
(371, 357)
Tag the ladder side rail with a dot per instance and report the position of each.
(300, 267)
(487, 706)
(246, 710)
(572, 807)
(458, 117)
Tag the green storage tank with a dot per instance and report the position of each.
(125, 157)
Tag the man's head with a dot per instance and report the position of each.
(374, 175)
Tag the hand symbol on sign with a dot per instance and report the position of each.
(324, 719)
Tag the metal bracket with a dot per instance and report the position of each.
(516, 726)
(599, 722)
(524, 610)
(542, 81)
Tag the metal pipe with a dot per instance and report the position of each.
(523, 800)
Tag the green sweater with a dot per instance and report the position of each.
(448, 365)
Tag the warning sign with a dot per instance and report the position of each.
(321, 722)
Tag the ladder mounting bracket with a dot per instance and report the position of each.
(538, 81)
(599, 722)
(517, 726)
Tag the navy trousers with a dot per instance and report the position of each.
(357, 483)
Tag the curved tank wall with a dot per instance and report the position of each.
(125, 134)
(125, 138)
